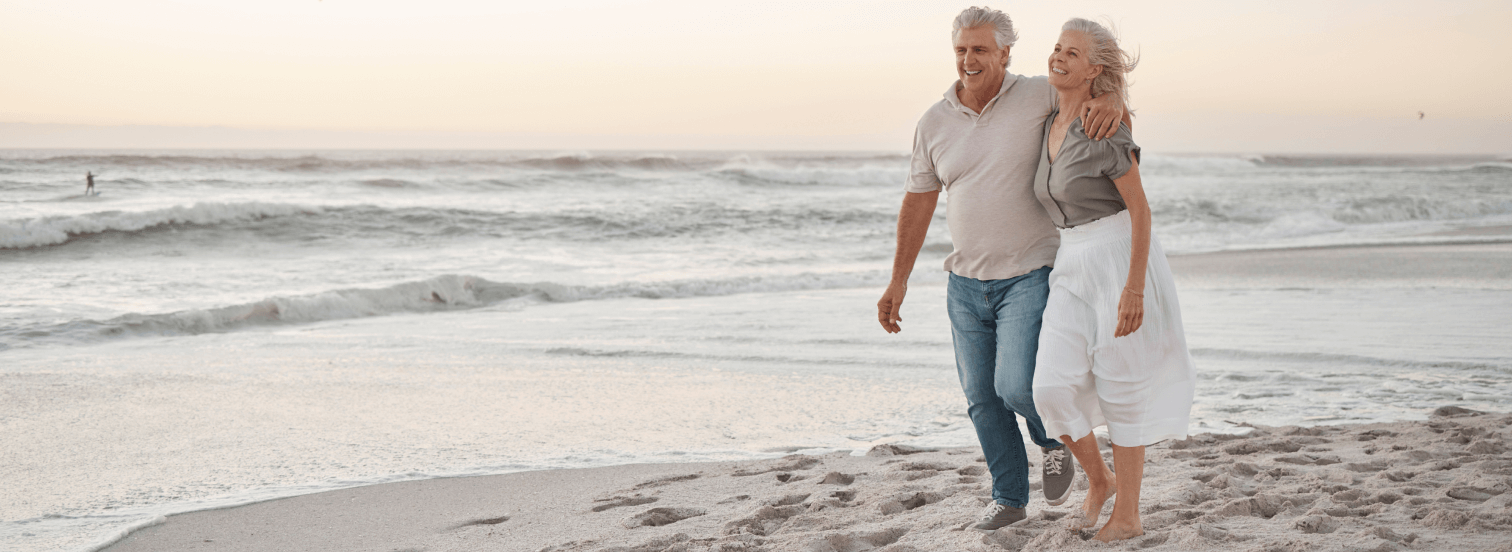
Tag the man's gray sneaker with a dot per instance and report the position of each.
(1057, 474)
(998, 516)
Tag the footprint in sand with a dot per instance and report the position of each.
(791, 463)
(788, 500)
(857, 541)
(659, 544)
(763, 521)
(908, 501)
(1216, 533)
(1249, 446)
(837, 478)
(1153, 540)
(1473, 494)
(1316, 524)
(896, 450)
(925, 466)
(482, 521)
(622, 501)
(843, 496)
(1373, 434)
(665, 481)
(657, 517)
(1007, 539)
(1306, 459)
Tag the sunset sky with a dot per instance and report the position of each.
(1276, 76)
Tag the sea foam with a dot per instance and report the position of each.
(441, 293)
(25, 233)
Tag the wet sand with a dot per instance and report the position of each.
(1475, 265)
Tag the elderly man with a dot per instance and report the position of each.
(982, 145)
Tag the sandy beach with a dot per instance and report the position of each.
(1440, 484)
(674, 315)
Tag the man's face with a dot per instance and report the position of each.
(980, 63)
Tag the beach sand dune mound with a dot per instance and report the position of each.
(1440, 484)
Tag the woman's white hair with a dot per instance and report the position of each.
(1002, 27)
(1116, 63)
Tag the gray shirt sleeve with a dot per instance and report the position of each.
(1115, 152)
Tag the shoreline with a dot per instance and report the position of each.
(1323, 266)
(1440, 484)
(1475, 264)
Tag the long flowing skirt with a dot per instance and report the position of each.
(1139, 385)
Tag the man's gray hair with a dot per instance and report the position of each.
(1002, 27)
(1115, 61)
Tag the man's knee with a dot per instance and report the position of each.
(1015, 390)
(1021, 401)
(978, 395)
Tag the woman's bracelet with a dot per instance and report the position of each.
(1132, 292)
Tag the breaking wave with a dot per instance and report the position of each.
(28, 233)
(1335, 358)
(438, 294)
(1355, 211)
(283, 222)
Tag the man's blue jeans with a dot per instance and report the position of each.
(995, 325)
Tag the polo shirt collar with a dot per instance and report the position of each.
(955, 100)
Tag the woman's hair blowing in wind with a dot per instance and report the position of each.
(1116, 62)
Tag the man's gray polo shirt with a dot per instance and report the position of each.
(986, 164)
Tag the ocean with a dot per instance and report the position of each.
(220, 327)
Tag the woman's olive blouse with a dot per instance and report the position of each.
(1078, 188)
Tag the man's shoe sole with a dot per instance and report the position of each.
(1064, 497)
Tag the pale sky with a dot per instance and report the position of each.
(1276, 76)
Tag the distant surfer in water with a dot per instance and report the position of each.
(89, 177)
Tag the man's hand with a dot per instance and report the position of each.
(1100, 115)
(890, 306)
(913, 223)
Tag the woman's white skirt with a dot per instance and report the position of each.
(1139, 385)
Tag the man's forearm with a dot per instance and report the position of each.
(913, 224)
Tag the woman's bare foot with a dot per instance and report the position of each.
(1119, 530)
(1097, 495)
(1124, 522)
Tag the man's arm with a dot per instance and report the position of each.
(1103, 114)
(913, 223)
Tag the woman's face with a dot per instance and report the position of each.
(1068, 62)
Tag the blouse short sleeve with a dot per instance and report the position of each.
(1115, 152)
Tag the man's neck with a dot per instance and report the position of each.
(977, 100)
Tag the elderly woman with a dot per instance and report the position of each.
(1112, 350)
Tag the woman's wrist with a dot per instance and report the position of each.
(1131, 291)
